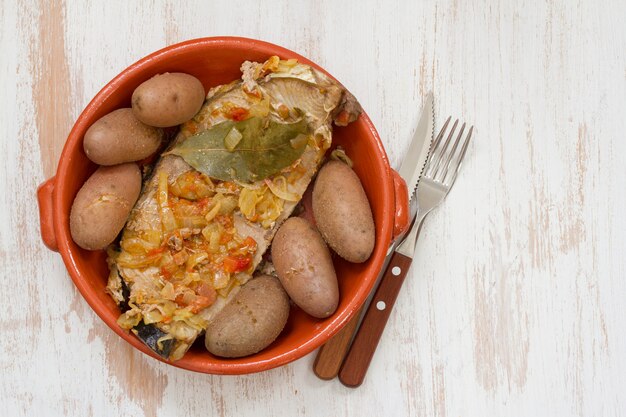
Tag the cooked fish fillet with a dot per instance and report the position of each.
(191, 240)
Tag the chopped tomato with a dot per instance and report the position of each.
(237, 114)
(254, 93)
(203, 203)
(156, 251)
(192, 127)
(166, 271)
(180, 300)
(184, 299)
(283, 111)
(249, 243)
(343, 118)
(206, 290)
(234, 264)
(200, 303)
(204, 296)
(224, 220)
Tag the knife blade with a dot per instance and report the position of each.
(330, 356)
(358, 358)
(416, 156)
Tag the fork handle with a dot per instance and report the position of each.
(361, 352)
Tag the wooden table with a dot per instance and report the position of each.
(515, 303)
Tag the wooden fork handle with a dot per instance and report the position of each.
(330, 356)
(361, 352)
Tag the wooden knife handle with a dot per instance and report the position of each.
(330, 356)
(357, 361)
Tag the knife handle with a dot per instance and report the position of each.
(330, 356)
(361, 352)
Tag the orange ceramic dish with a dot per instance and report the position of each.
(216, 61)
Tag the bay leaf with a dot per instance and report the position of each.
(266, 146)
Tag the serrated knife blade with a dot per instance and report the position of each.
(416, 156)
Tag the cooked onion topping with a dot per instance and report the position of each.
(198, 251)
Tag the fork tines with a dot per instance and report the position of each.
(444, 163)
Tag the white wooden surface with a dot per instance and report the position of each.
(515, 303)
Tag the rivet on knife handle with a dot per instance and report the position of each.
(364, 345)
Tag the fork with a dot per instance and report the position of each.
(439, 175)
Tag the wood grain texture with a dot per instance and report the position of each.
(331, 354)
(514, 305)
(370, 332)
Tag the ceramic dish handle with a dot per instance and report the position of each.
(46, 218)
(401, 219)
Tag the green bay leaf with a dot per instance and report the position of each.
(265, 147)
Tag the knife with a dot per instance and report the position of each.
(331, 355)
(362, 350)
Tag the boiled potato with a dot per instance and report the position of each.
(119, 137)
(250, 321)
(168, 99)
(103, 204)
(342, 213)
(305, 268)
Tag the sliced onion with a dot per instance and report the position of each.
(228, 205)
(168, 291)
(153, 316)
(214, 241)
(127, 260)
(192, 222)
(299, 141)
(162, 339)
(220, 279)
(223, 292)
(195, 259)
(279, 189)
(213, 212)
(168, 220)
(137, 246)
(248, 198)
(129, 319)
(260, 109)
(252, 186)
(232, 139)
(179, 351)
(339, 154)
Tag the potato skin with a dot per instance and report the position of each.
(95, 221)
(168, 99)
(251, 321)
(119, 137)
(305, 268)
(342, 212)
